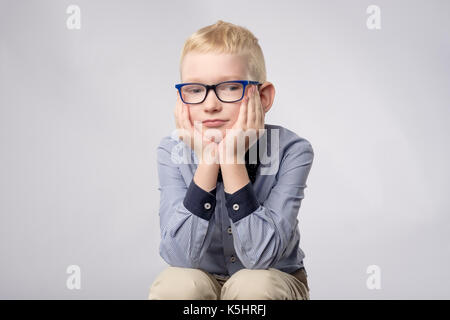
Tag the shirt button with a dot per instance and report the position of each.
(207, 205)
(229, 230)
(233, 259)
(235, 207)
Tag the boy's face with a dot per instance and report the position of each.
(212, 68)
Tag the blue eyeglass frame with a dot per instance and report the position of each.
(245, 83)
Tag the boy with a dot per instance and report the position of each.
(229, 230)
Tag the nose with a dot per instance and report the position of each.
(212, 103)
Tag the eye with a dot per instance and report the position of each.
(230, 87)
(193, 89)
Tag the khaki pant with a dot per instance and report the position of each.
(176, 283)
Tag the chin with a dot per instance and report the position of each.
(217, 133)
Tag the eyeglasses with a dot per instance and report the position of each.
(227, 91)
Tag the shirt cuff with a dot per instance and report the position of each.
(241, 203)
(200, 202)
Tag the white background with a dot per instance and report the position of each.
(82, 112)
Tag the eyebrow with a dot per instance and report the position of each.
(221, 79)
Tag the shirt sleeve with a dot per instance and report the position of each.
(263, 231)
(184, 213)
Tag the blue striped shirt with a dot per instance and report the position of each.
(256, 227)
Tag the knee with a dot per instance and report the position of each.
(250, 284)
(176, 283)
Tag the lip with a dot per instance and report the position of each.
(214, 123)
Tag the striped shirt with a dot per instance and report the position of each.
(256, 227)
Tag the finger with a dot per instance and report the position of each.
(259, 108)
(181, 113)
(184, 126)
(178, 112)
(179, 108)
(195, 128)
(251, 116)
(257, 113)
(182, 130)
(185, 117)
(187, 121)
(242, 118)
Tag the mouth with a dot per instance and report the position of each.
(214, 123)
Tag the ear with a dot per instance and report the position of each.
(267, 95)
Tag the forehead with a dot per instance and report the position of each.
(210, 68)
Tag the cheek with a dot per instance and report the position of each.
(234, 115)
(194, 116)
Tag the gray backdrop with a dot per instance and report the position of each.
(82, 112)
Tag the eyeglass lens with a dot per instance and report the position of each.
(228, 92)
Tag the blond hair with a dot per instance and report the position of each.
(225, 37)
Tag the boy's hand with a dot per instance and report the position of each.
(194, 136)
(249, 122)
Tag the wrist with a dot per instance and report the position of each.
(206, 176)
(231, 158)
(234, 177)
(208, 155)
